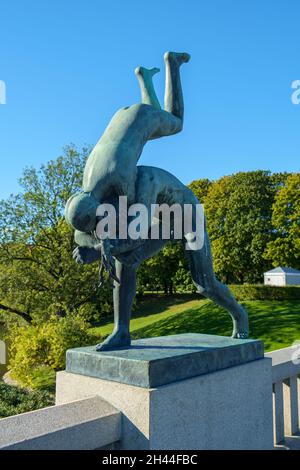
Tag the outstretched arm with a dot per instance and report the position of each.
(89, 251)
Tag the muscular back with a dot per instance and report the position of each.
(111, 166)
(157, 186)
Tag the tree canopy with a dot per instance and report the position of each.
(284, 249)
(239, 219)
(253, 220)
(39, 277)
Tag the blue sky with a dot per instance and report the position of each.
(68, 66)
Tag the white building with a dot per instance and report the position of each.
(282, 277)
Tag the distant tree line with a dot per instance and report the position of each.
(253, 220)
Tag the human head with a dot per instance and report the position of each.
(80, 211)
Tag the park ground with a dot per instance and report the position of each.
(275, 322)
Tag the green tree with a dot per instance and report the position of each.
(162, 271)
(284, 250)
(239, 219)
(200, 188)
(40, 278)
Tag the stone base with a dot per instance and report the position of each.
(153, 362)
(225, 409)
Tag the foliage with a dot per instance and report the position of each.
(261, 292)
(200, 188)
(253, 219)
(14, 400)
(239, 220)
(36, 348)
(166, 271)
(42, 378)
(183, 280)
(284, 250)
(40, 277)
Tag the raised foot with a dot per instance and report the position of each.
(146, 73)
(114, 341)
(177, 57)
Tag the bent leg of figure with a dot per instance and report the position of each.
(170, 121)
(123, 296)
(144, 77)
(173, 91)
(201, 267)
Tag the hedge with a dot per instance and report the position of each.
(262, 292)
(14, 400)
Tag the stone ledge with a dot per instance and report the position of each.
(85, 424)
(285, 362)
(153, 362)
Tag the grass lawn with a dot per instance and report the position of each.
(277, 323)
(149, 311)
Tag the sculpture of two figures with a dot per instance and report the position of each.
(111, 171)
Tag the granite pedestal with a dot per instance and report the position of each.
(178, 392)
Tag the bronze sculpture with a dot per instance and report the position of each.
(111, 172)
